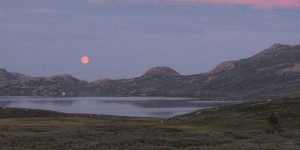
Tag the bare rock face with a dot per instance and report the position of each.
(160, 71)
(4, 75)
(294, 69)
(102, 81)
(225, 66)
(277, 51)
(278, 47)
(65, 77)
(20, 76)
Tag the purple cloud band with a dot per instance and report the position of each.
(252, 3)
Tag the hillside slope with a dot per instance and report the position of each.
(275, 72)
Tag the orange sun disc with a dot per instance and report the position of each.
(85, 59)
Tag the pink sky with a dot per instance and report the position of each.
(252, 3)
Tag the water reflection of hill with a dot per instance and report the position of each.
(169, 103)
(58, 102)
(4, 103)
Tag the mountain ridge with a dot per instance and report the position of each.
(274, 72)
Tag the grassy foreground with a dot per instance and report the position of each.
(238, 127)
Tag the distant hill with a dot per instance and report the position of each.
(159, 72)
(12, 84)
(274, 72)
(4, 75)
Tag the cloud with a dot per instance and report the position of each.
(253, 3)
(44, 10)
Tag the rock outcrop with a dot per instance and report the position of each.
(160, 71)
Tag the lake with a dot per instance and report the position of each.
(119, 106)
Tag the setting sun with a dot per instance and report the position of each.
(85, 59)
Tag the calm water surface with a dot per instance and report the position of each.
(119, 106)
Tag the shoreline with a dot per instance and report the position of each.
(236, 127)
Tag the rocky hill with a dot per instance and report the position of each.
(4, 75)
(274, 72)
(19, 84)
(160, 71)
